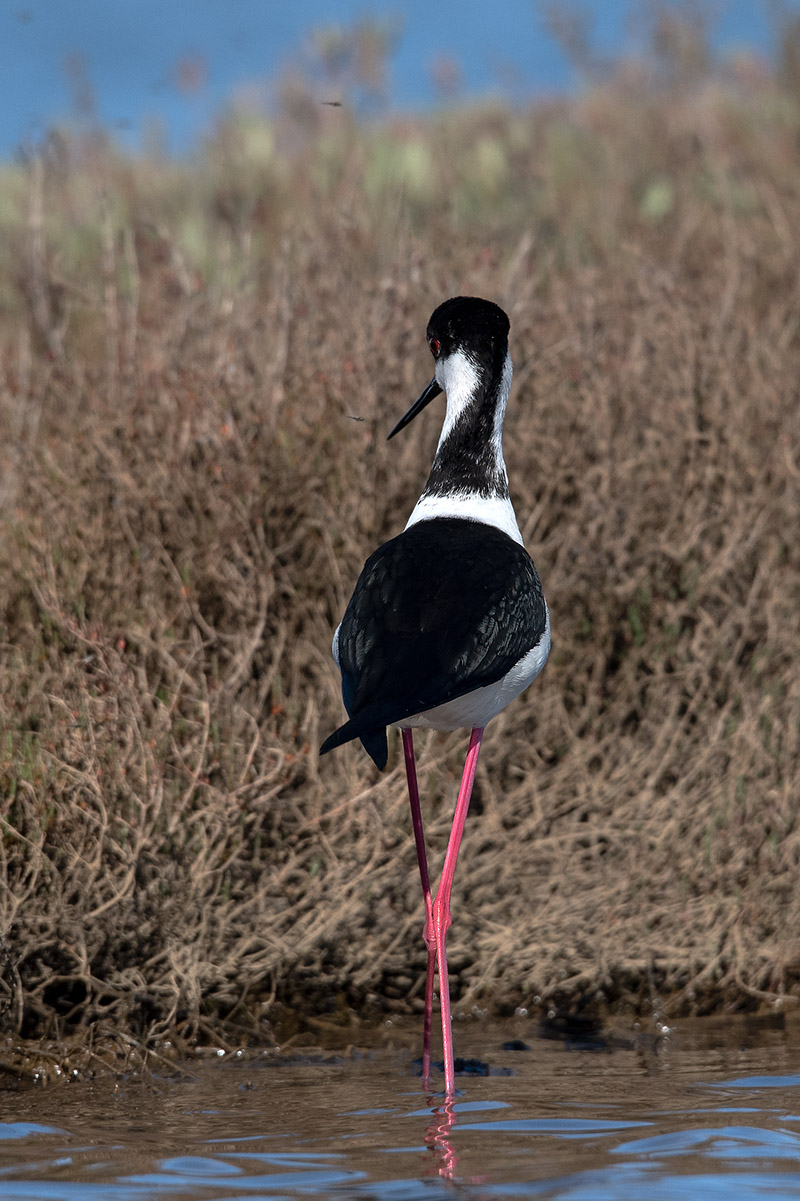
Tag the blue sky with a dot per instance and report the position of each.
(130, 50)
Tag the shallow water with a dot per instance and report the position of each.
(711, 1110)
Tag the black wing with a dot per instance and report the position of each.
(448, 606)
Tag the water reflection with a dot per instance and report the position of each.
(697, 1120)
(439, 1143)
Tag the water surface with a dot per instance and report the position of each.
(711, 1110)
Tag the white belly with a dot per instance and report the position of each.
(477, 708)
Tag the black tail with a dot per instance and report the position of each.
(373, 741)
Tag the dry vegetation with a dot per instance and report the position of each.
(187, 500)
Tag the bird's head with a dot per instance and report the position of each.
(468, 338)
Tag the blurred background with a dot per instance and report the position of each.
(223, 227)
(163, 72)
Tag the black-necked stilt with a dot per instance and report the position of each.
(447, 623)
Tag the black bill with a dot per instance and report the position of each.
(433, 389)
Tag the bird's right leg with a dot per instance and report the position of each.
(441, 906)
(428, 931)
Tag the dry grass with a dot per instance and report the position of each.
(186, 503)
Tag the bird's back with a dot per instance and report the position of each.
(446, 607)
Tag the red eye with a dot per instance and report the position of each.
(434, 345)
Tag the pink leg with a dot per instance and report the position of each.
(441, 906)
(430, 941)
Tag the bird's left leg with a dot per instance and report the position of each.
(428, 931)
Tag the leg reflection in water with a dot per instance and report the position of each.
(443, 1160)
(437, 1140)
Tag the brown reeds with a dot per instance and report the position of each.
(200, 364)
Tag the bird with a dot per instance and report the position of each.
(448, 622)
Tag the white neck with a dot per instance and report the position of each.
(491, 510)
(459, 377)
